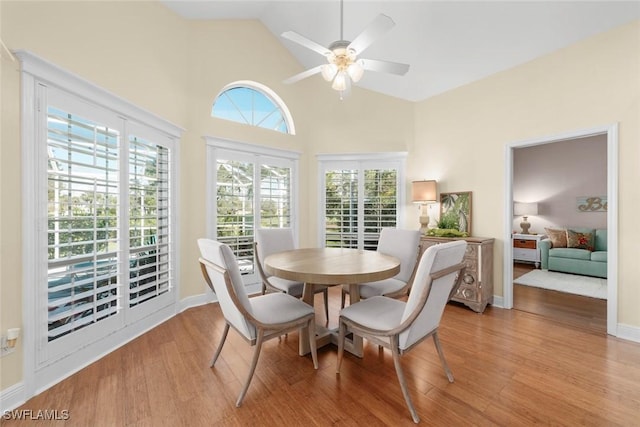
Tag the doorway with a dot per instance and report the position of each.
(544, 304)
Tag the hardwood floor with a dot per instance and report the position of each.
(574, 310)
(512, 368)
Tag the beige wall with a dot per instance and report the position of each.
(174, 68)
(365, 122)
(461, 135)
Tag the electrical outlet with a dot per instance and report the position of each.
(4, 347)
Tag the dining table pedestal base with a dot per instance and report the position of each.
(331, 267)
(324, 335)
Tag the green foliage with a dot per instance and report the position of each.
(458, 205)
(448, 221)
(447, 232)
(448, 226)
(341, 201)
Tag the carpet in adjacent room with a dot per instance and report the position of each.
(593, 287)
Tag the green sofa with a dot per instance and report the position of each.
(577, 261)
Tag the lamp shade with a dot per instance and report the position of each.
(523, 209)
(423, 191)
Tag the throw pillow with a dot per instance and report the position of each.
(558, 237)
(579, 240)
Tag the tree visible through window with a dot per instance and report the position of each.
(254, 105)
(343, 223)
(100, 176)
(254, 187)
(361, 197)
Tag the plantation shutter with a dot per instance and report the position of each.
(360, 198)
(253, 187)
(380, 204)
(341, 208)
(149, 220)
(82, 216)
(88, 156)
(235, 209)
(275, 196)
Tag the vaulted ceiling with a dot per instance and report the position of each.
(447, 43)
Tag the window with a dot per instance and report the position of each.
(100, 173)
(82, 232)
(253, 104)
(360, 196)
(250, 186)
(149, 224)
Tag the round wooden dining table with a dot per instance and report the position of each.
(331, 266)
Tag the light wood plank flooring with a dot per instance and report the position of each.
(512, 368)
(560, 307)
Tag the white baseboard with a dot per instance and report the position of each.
(628, 332)
(196, 300)
(49, 375)
(208, 296)
(12, 397)
(625, 332)
(498, 301)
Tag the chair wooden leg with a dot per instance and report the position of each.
(447, 371)
(343, 295)
(401, 380)
(219, 349)
(341, 334)
(254, 363)
(326, 305)
(312, 342)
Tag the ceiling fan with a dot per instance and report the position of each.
(343, 63)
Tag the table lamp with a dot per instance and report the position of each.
(423, 193)
(524, 210)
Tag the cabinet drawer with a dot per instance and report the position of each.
(525, 254)
(476, 287)
(525, 244)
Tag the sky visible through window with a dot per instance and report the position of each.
(249, 106)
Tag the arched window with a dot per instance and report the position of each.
(253, 104)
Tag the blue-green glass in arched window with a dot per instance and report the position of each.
(253, 104)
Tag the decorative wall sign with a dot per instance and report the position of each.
(592, 204)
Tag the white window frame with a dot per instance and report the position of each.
(43, 370)
(360, 162)
(267, 92)
(218, 148)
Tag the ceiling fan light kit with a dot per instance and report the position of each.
(343, 65)
(341, 61)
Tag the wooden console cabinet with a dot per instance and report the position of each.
(476, 289)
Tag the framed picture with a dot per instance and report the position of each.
(455, 211)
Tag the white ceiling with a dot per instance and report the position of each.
(447, 43)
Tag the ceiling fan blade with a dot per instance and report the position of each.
(309, 44)
(380, 25)
(384, 66)
(303, 75)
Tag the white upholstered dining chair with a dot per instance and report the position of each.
(273, 240)
(256, 319)
(402, 244)
(399, 325)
